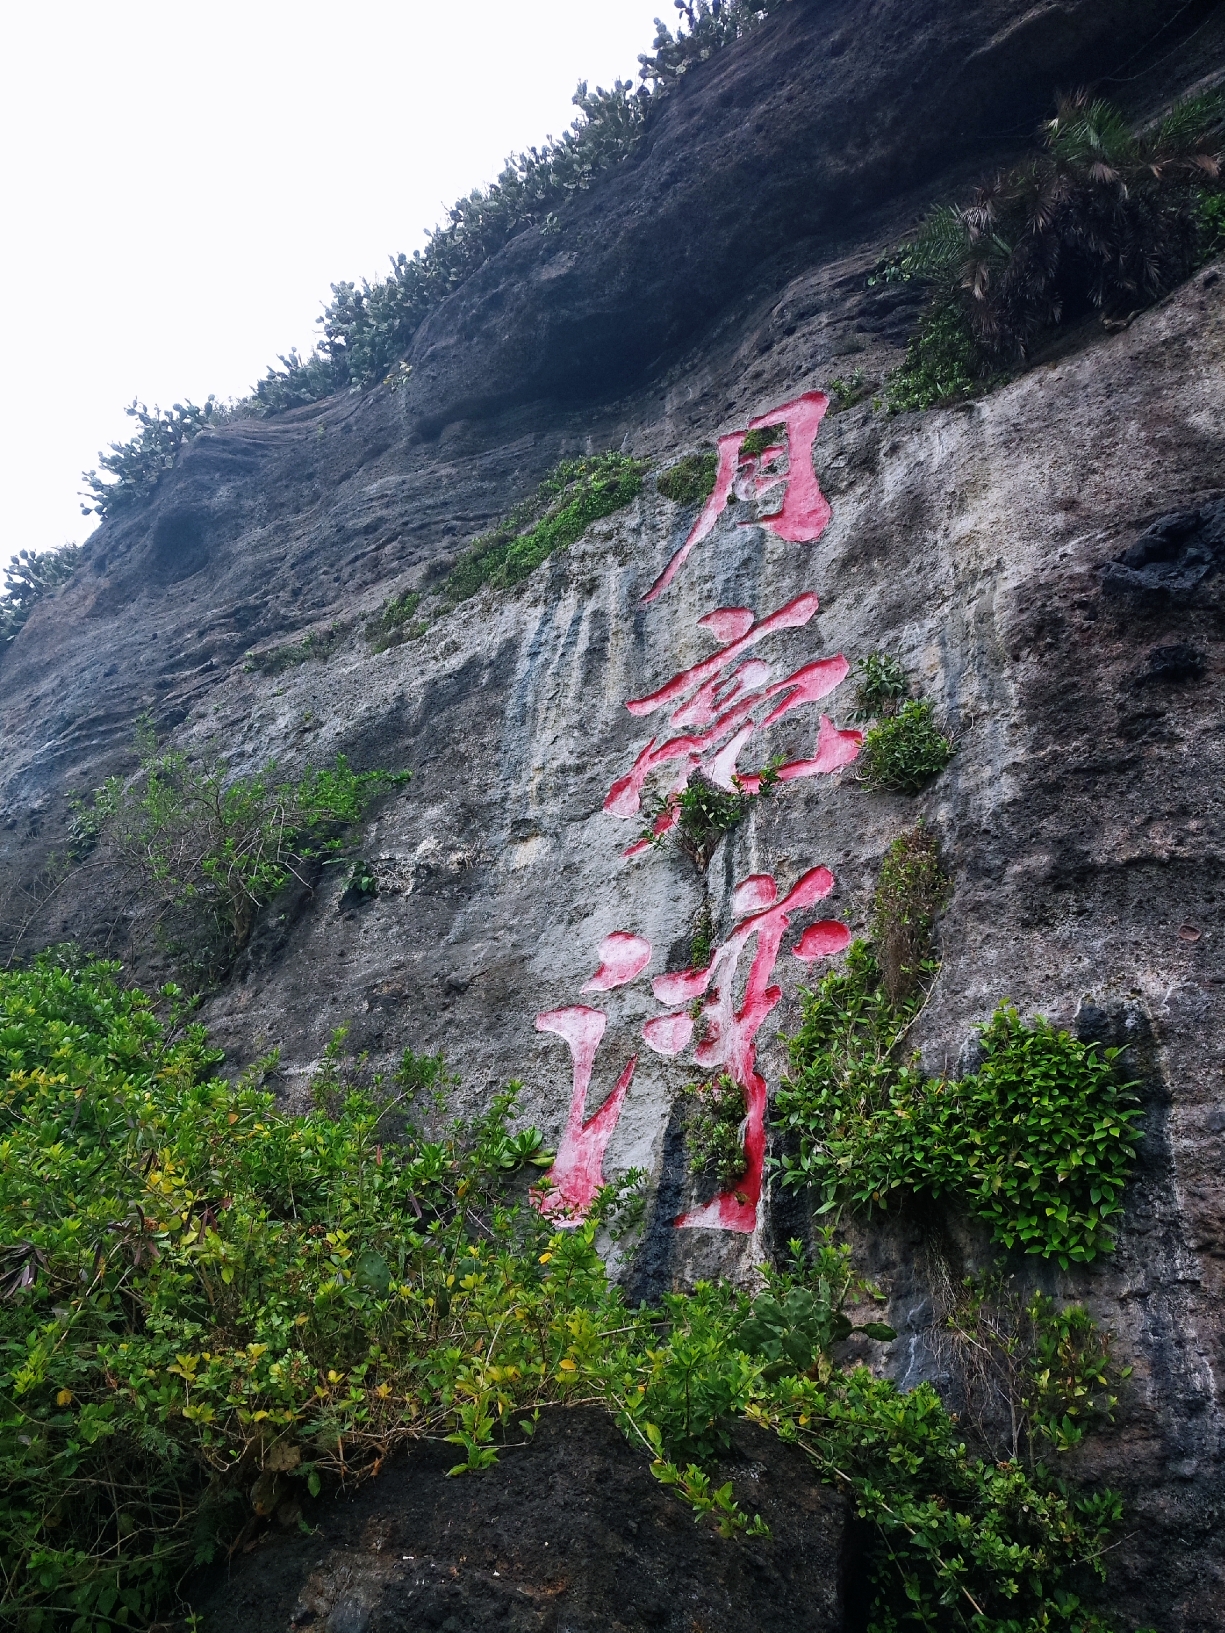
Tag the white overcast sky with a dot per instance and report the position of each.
(181, 183)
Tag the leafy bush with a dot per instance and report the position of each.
(911, 889)
(1038, 1142)
(1035, 1376)
(211, 1310)
(1210, 223)
(715, 1135)
(1103, 218)
(137, 465)
(704, 812)
(943, 362)
(213, 849)
(394, 624)
(691, 480)
(29, 576)
(799, 1319)
(883, 685)
(902, 753)
(317, 646)
(575, 493)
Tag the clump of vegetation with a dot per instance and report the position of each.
(715, 1135)
(214, 1310)
(363, 880)
(800, 1317)
(1035, 1376)
(883, 685)
(691, 480)
(845, 393)
(704, 812)
(702, 942)
(904, 752)
(137, 465)
(575, 493)
(394, 624)
(1038, 1142)
(1102, 218)
(212, 848)
(28, 577)
(317, 646)
(911, 889)
(905, 749)
(767, 436)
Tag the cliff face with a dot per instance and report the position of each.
(1047, 561)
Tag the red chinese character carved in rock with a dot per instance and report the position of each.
(719, 703)
(728, 1031)
(802, 513)
(578, 1169)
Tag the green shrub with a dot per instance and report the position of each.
(394, 624)
(902, 754)
(911, 889)
(212, 1310)
(28, 577)
(883, 685)
(715, 1135)
(1038, 1142)
(1102, 218)
(575, 493)
(691, 480)
(137, 465)
(943, 362)
(317, 646)
(704, 813)
(213, 849)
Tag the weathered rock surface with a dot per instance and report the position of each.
(1047, 561)
(569, 1531)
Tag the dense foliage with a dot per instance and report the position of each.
(1102, 218)
(368, 326)
(28, 577)
(137, 465)
(213, 848)
(904, 749)
(714, 1136)
(1038, 1141)
(691, 479)
(575, 493)
(210, 1310)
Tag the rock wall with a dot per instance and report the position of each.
(1047, 561)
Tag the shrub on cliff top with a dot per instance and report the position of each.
(1102, 218)
(28, 577)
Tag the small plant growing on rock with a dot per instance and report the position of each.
(394, 622)
(691, 480)
(911, 889)
(883, 686)
(704, 812)
(756, 442)
(799, 1319)
(715, 1136)
(901, 755)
